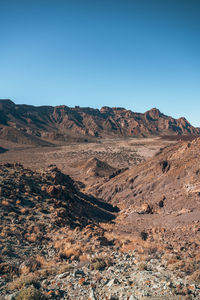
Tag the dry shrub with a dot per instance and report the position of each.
(141, 246)
(41, 260)
(3, 233)
(154, 251)
(5, 202)
(29, 265)
(188, 265)
(84, 258)
(39, 264)
(30, 293)
(31, 237)
(44, 273)
(72, 252)
(24, 280)
(61, 244)
(64, 268)
(126, 247)
(68, 249)
(142, 267)
(13, 228)
(100, 263)
(51, 208)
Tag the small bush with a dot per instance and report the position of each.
(30, 293)
(24, 280)
(142, 267)
(65, 268)
(72, 253)
(99, 263)
(30, 265)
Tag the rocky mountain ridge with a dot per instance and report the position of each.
(38, 125)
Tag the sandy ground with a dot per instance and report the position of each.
(119, 153)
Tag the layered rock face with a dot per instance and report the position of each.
(28, 124)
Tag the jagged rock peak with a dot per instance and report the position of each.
(154, 113)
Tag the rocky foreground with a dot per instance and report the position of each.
(123, 276)
(57, 242)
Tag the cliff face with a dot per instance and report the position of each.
(60, 121)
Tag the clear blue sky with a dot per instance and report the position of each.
(136, 54)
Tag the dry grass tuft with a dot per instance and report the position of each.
(100, 263)
(23, 281)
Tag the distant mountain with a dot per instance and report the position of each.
(28, 124)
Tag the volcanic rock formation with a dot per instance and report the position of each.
(32, 125)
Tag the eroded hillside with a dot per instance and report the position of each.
(125, 227)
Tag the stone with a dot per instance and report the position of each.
(63, 275)
(132, 298)
(92, 295)
(78, 273)
(112, 282)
